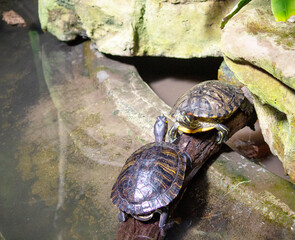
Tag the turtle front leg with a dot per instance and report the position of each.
(164, 225)
(222, 133)
(173, 133)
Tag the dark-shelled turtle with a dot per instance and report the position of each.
(204, 107)
(151, 178)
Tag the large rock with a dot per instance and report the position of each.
(184, 28)
(261, 53)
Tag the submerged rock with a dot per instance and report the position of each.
(171, 28)
(261, 53)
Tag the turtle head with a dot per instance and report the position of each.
(160, 128)
(184, 117)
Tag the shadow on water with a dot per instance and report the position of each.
(154, 69)
(170, 77)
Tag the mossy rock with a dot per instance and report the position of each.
(181, 29)
(260, 52)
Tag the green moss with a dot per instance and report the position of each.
(140, 39)
(92, 120)
(140, 140)
(43, 7)
(40, 164)
(80, 134)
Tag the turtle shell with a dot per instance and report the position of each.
(150, 179)
(210, 99)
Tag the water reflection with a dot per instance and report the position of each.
(55, 180)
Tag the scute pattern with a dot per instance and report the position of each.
(150, 179)
(210, 99)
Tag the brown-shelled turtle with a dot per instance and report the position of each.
(151, 179)
(204, 107)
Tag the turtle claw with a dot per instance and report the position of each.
(218, 139)
(172, 140)
(165, 228)
(164, 224)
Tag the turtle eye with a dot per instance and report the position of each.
(183, 113)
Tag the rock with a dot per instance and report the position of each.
(12, 18)
(60, 19)
(225, 74)
(254, 36)
(171, 28)
(261, 54)
(273, 103)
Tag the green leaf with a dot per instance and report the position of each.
(283, 9)
(233, 12)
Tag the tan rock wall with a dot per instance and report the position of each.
(181, 29)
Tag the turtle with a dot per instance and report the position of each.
(151, 179)
(204, 107)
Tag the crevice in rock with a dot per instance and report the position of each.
(138, 27)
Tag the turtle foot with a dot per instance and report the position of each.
(122, 217)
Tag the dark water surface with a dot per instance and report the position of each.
(20, 89)
(43, 190)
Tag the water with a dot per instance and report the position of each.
(19, 90)
(49, 189)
